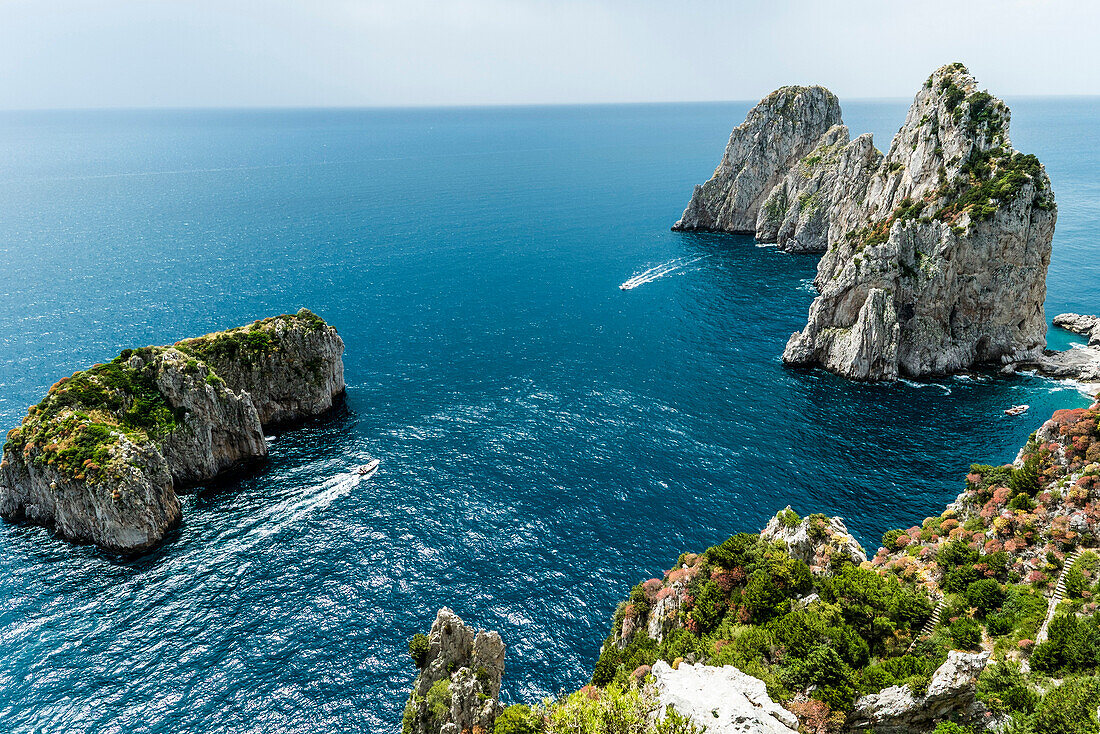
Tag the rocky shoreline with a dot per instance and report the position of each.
(102, 457)
(795, 629)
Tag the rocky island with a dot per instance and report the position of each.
(935, 254)
(983, 618)
(101, 458)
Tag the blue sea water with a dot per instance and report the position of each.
(547, 439)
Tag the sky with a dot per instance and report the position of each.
(355, 53)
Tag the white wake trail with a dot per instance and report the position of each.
(658, 271)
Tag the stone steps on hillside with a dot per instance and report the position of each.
(929, 626)
(1057, 596)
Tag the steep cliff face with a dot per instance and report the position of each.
(937, 253)
(798, 211)
(291, 366)
(100, 458)
(776, 134)
(458, 687)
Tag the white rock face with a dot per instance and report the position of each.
(472, 664)
(937, 253)
(776, 134)
(797, 212)
(897, 710)
(724, 700)
(818, 541)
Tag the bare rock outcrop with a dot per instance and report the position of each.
(101, 458)
(723, 699)
(898, 710)
(797, 212)
(937, 253)
(822, 543)
(458, 687)
(777, 133)
(1080, 363)
(1087, 326)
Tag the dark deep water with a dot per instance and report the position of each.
(547, 439)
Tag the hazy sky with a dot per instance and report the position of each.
(154, 53)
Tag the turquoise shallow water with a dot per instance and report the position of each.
(547, 439)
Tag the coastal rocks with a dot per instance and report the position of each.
(1088, 326)
(898, 710)
(1079, 363)
(724, 700)
(101, 458)
(291, 366)
(822, 543)
(777, 133)
(131, 512)
(796, 213)
(937, 252)
(458, 687)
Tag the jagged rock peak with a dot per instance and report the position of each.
(777, 133)
(458, 687)
(822, 543)
(101, 457)
(937, 252)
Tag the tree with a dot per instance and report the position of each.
(1027, 478)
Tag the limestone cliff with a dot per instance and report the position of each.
(458, 687)
(101, 457)
(776, 134)
(937, 252)
(290, 366)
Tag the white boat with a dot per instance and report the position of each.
(369, 468)
(1017, 410)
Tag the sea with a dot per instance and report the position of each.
(547, 438)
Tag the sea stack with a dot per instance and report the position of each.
(935, 255)
(101, 457)
(938, 254)
(776, 134)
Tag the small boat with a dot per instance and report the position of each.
(369, 468)
(1017, 410)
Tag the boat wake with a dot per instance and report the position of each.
(659, 271)
(286, 514)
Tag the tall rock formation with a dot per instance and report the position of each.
(101, 457)
(937, 253)
(458, 687)
(776, 134)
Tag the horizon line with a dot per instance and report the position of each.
(466, 106)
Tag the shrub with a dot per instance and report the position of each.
(950, 727)
(418, 649)
(985, 595)
(831, 678)
(890, 539)
(966, 634)
(1070, 708)
(439, 700)
(517, 719)
(1003, 689)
